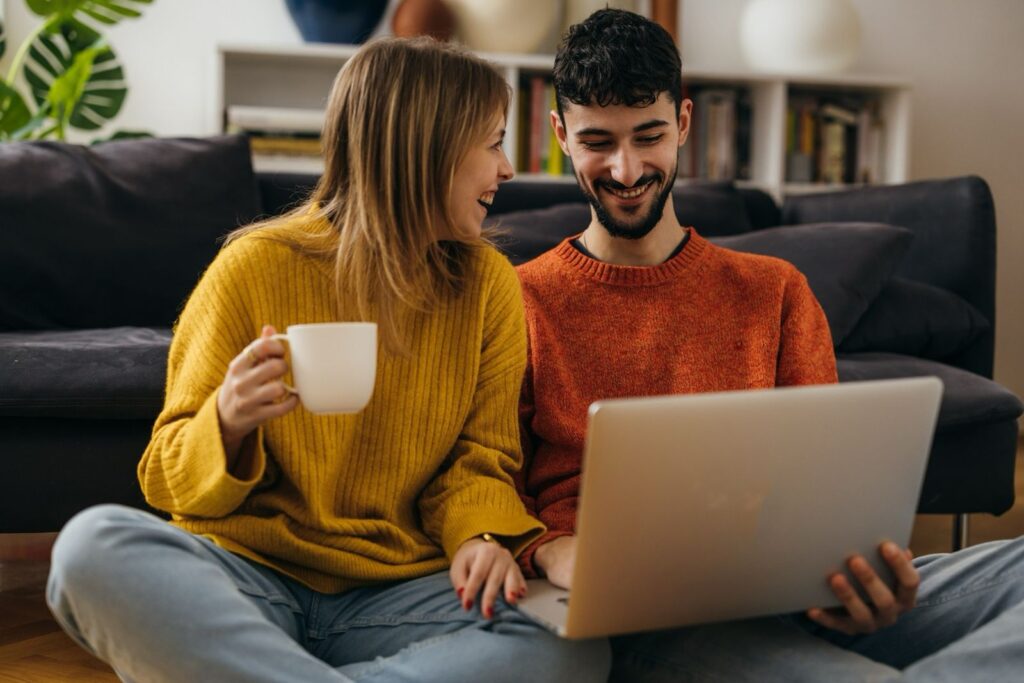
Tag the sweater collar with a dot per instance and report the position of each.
(609, 273)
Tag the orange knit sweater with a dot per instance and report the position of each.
(708, 319)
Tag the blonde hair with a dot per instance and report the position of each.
(401, 117)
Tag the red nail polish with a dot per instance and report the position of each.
(459, 591)
(469, 604)
(489, 613)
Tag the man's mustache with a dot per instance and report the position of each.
(616, 185)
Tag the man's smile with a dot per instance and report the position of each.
(632, 195)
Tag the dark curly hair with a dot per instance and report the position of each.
(617, 57)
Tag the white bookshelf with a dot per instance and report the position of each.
(298, 77)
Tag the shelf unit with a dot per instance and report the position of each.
(300, 77)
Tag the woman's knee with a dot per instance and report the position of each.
(93, 542)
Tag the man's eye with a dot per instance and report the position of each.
(650, 139)
(594, 145)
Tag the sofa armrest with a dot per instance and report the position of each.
(954, 246)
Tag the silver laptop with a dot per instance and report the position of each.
(711, 507)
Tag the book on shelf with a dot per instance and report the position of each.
(283, 144)
(833, 139)
(280, 137)
(538, 151)
(290, 120)
(284, 163)
(870, 156)
(718, 144)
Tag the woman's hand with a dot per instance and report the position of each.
(480, 564)
(252, 391)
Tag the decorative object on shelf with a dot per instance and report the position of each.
(336, 21)
(796, 36)
(423, 18)
(505, 25)
(666, 14)
(578, 10)
(75, 80)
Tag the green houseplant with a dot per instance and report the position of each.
(74, 77)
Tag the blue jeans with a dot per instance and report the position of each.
(160, 604)
(968, 626)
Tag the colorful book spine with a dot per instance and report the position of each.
(537, 137)
(555, 156)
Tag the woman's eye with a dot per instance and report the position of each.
(497, 145)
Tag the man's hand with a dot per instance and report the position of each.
(555, 559)
(855, 617)
(481, 565)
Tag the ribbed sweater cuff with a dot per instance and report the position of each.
(517, 531)
(525, 559)
(218, 492)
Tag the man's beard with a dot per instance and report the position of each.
(633, 230)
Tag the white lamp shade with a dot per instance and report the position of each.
(800, 36)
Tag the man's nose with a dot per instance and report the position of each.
(626, 166)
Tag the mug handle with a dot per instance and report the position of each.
(284, 337)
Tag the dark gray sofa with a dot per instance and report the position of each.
(99, 247)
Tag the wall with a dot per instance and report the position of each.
(963, 60)
(961, 57)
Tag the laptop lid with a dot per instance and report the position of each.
(710, 507)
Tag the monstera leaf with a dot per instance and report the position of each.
(76, 76)
(107, 12)
(14, 113)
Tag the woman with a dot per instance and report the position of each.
(375, 546)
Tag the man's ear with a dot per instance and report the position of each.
(559, 128)
(685, 112)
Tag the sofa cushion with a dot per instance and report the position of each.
(114, 234)
(916, 319)
(846, 264)
(713, 208)
(115, 373)
(524, 235)
(967, 399)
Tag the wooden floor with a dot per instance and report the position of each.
(33, 649)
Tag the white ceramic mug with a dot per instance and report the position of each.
(334, 365)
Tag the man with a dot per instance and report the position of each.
(639, 305)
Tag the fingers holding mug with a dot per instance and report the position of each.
(252, 391)
(267, 346)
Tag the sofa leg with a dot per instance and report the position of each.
(960, 532)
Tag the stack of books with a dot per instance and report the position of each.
(282, 138)
(833, 140)
(718, 146)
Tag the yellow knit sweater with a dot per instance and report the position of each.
(343, 501)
